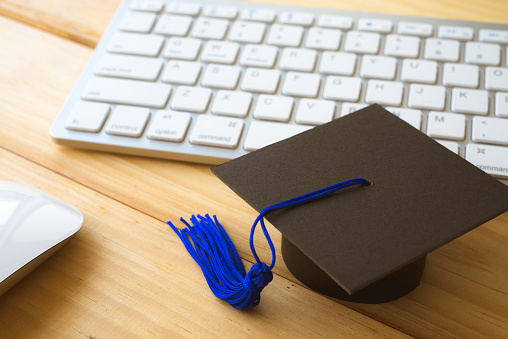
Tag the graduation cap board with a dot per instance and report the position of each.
(365, 243)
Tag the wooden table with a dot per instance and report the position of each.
(125, 274)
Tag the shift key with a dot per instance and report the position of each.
(491, 159)
(128, 92)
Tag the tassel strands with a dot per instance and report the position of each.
(222, 267)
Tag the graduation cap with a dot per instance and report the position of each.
(367, 242)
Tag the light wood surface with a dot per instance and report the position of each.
(125, 274)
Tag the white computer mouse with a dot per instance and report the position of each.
(33, 225)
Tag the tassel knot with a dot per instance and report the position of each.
(258, 277)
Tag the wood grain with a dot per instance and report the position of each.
(81, 21)
(125, 275)
(119, 276)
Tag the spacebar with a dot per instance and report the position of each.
(263, 133)
(129, 92)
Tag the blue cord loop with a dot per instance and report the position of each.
(215, 253)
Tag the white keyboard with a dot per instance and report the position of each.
(209, 81)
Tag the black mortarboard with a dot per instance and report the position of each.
(365, 244)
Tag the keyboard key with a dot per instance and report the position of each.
(301, 84)
(342, 88)
(442, 50)
(314, 112)
(130, 67)
(335, 21)
(450, 126)
(232, 103)
(128, 92)
(137, 22)
(169, 126)
(182, 48)
(217, 131)
(185, 8)
(415, 28)
(470, 101)
(455, 32)
(263, 133)
(461, 75)
(402, 46)
(135, 43)
(226, 12)
(273, 107)
(491, 159)
(296, 18)
(191, 99)
(249, 32)
(260, 80)
(337, 63)
(87, 116)
(427, 97)
(258, 56)
(411, 116)
(483, 54)
(502, 104)
(220, 52)
(219, 76)
(261, 15)
(181, 72)
(496, 78)
(419, 71)
(378, 67)
(491, 35)
(362, 42)
(490, 130)
(348, 108)
(298, 59)
(210, 29)
(375, 25)
(451, 145)
(323, 39)
(128, 121)
(177, 25)
(147, 5)
(285, 35)
(384, 92)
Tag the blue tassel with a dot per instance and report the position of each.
(222, 267)
(215, 253)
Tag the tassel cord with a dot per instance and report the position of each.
(294, 202)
